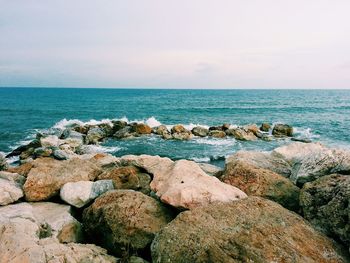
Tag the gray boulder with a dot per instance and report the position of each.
(200, 131)
(95, 135)
(282, 130)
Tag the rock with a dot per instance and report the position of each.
(241, 134)
(23, 169)
(49, 141)
(264, 160)
(13, 177)
(68, 133)
(304, 140)
(95, 135)
(313, 160)
(178, 129)
(200, 131)
(167, 136)
(282, 130)
(142, 128)
(265, 127)
(104, 160)
(216, 128)
(252, 128)
(9, 192)
(42, 152)
(226, 126)
(27, 154)
(161, 129)
(128, 177)
(182, 136)
(325, 203)
(210, 169)
(80, 193)
(118, 125)
(48, 175)
(183, 184)
(3, 163)
(250, 230)
(23, 148)
(123, 133)
(217, 134)
(262, 182)
(125, 221)
(107, 129)
(62, 155)
(50, 220)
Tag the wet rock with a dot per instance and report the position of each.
(304, 140)
(125, 132)
(249, 230)
(161, 129)
(217, 134)
(325, 203)
(265, 127)
(125, 221)
(262, 182)
(24, 148)
(241, 134)
(68, 133)
(226, 126)
(3, 163)
(183, 184)
(107, 129)
(200, 131)
(282, 130)
(48, 175)
(80, 193)
(118, 125)
(142, 128)
(215, 128)
(178, 129)
(42, 152)
(95, 135)
(253, 128)
(182, 136)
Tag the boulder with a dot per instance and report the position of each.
(282, 130)
(22, 169)
(210, 169)
(107, 128)
(304, 140)
(142, 128)
(24, 148)
(241, 134)
(226, 126)
(95, 135)
(217, 134)
(62, 155)
(125, 221)
(80, 193)
(250, 230)
(265, 127)
(42, 152)
(262, 182)
(128, 177)
(125, 132)
(13, 177)
(264, 160)
(252, 128)
(216, 128)
(183, 184)
(49, 141)
(48, 175)
(200, 131)
(181, 136)
(3, 163)
(50, 220)
(161, 129)
(178, 129)
(9, 191)
(325, 203)
(118, 125)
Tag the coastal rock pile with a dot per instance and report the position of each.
(287, 205)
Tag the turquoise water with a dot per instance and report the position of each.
(322, 115)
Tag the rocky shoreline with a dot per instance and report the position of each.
(66, 204)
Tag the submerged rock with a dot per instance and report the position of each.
(282, 130)
(262, 182)
(249, 230)
(48, 175)
(325, 203)
(81, 193)
(125, 221)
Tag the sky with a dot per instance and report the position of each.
(175, 44)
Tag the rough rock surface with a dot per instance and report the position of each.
(200, 131)
(9, 191)
(95, 135)
(217, 134)
(52, 220)
(262, 182)
(325, 203)
(161, 129)
(263, 160)
(22, 169)
(3, 163)
(81, 193)
(48, 175)
(282, 130)
(265, 127)
(122, 220)
(183, 184)
(211, 169)
(49, 141)
(242, 134)
(142, 128)
(249, 230)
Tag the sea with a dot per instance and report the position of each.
(319, 115)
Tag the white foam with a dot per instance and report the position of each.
(153, 122)
(101, 149)
(215, 142)
(62, 124)
(305, 133)
(200, 160)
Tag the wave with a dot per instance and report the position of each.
(95, 148)
(215, 142)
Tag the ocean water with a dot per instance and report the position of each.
(321, 115)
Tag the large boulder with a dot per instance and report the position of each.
(217, 134)
(128, 177)
(249, 230)
(241, 134)
(183, 184)
(22, 169)
(95, 135)
(10, 187)
(48, 175)
(264, 160)
(161, 129)
(179, 132)
(125, 221)
(325, 203)
(81, 193)
(282, 130)
(125, 132)
(50, 219)
(25, 148)
(262, 182)
(49, 141)
(210, 169)
(142, 128)
(200, 131)
(313, 160)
